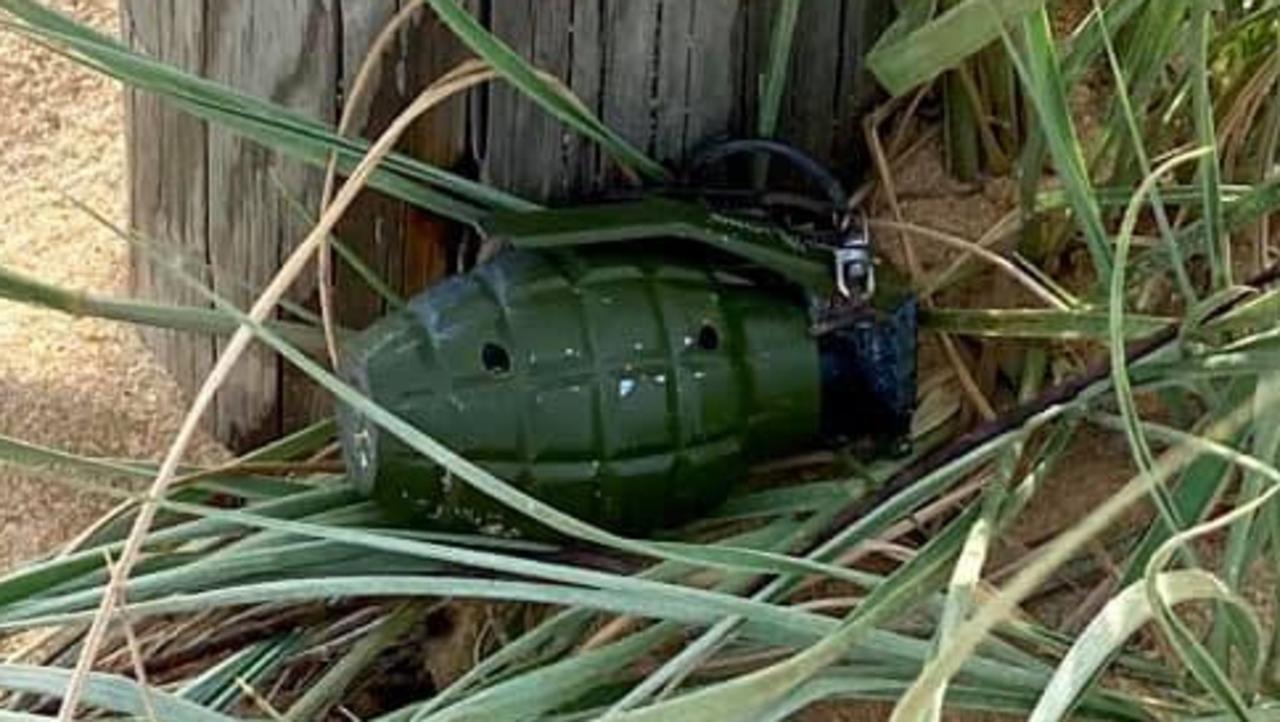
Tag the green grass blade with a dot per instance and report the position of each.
(1008, 323)
(1216, 240)
(1199, 661)
(539, 691)
(1243, 538)
(965, 576)
(1144, 162)
(1044, 85)
(569, 626)
(216, 688)
(771, 624)
(1142, 455)
(106, 691)
(193, 319)
(1173, 194)
(749, 695)
(902, 61)
(274, 126)
(1108, 632)
(778, 67)
(1200, 486)
(1054, 553)
(328, 691)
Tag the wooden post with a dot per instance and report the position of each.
(667, 74)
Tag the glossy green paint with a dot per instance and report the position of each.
(622, 386)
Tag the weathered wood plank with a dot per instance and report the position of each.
(857, 90)
(516, 129)
(671, 101)
(628, 85)
(584, 166)
(715, 71)
(808, 107)
(284, 51)
(167, 167)
(442, 137)
(757, 24)
(374, 226)
(525, 150)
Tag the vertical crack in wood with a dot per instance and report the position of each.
(746, 125)
(479, 105)
(837, 85)
(340, 89)
(567, 176)
(391, 266)
(686, 102)
(598, 179)
(655, 64)
(208, 29)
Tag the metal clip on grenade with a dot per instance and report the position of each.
(854, 268)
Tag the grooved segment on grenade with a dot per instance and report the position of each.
(632, 392)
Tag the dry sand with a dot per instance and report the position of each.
(83, 385)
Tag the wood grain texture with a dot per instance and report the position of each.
(628, 84)
(283, 51)
(167, 188)
(668, 75)
(373, 227)
(828, 88)
(441, 137)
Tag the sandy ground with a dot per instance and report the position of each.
(83, 385)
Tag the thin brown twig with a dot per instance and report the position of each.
(266, 302)
(614, 629)
(827, 604)
(978, 250)
(258, 700)
(1239, 118)
(1003, 228)
(899, 136)
(327, 452)
(1097, 596)
(947, 504)
(135, 653)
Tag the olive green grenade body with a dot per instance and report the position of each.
(622, 388)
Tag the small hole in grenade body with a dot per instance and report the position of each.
(495, 359)
(708, 338)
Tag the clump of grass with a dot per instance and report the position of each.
(229, 575)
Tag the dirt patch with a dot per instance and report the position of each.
(82, 385)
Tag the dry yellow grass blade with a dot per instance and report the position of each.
(978, 250)
(293, 266)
